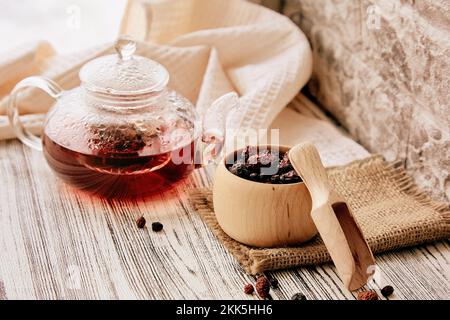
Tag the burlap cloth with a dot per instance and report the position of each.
(390, 210)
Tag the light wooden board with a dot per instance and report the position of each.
(58, 243)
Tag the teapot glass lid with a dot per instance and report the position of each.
(124, 73)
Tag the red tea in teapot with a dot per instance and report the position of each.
(120, 166)
(122, 132)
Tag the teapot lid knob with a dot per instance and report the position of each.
(124, 73)
(125, 47)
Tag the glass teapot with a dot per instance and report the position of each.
(122, 132)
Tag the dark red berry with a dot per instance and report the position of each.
(248, 152)
(266, 159)
(248, 289)
(254, 176)
(368, 295)
(263, 287)
(240, 170)
(140, 222)
(253, 160)
(298, 296)
(265, 166)
(387, 291)
(285, 165)
(273, 283)
(157, 226)
(290, 176)
(275, 178)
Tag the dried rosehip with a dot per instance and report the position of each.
(368, 295)
(285, 165)
(387, 291)
(110, 140)
(273, 283)
(248, 152)
(140, 222)
(248, 289)
(265, 166)
(298, 296)
(157, 226)
(254, 176)
(253, 160)
(275, 178)
(263, 287)
(266, 159)
(290, 177)
(240, 170)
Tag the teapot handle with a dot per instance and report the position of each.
(48, 86)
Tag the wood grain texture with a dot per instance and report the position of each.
(2, 291)
(58, 243)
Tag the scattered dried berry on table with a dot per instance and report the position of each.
(273, 283)
(157, 226)
(140, 222)
(263, 287)
(248, 289)
(368, 295)
(387, 291)
(298, 296)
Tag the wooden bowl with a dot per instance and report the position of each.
(260, 214)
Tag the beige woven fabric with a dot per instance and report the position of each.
(210, 48)
(390, 210)
(22, 62)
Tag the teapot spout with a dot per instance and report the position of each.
(214, 127)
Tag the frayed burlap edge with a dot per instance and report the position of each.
(257, 260)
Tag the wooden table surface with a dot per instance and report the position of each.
(58, 243)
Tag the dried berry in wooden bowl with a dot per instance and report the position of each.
(273, 210)
(264, 165)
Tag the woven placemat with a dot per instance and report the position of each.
(390, 209)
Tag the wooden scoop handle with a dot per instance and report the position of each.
(334, 221)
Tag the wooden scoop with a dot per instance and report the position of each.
(333, 219)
